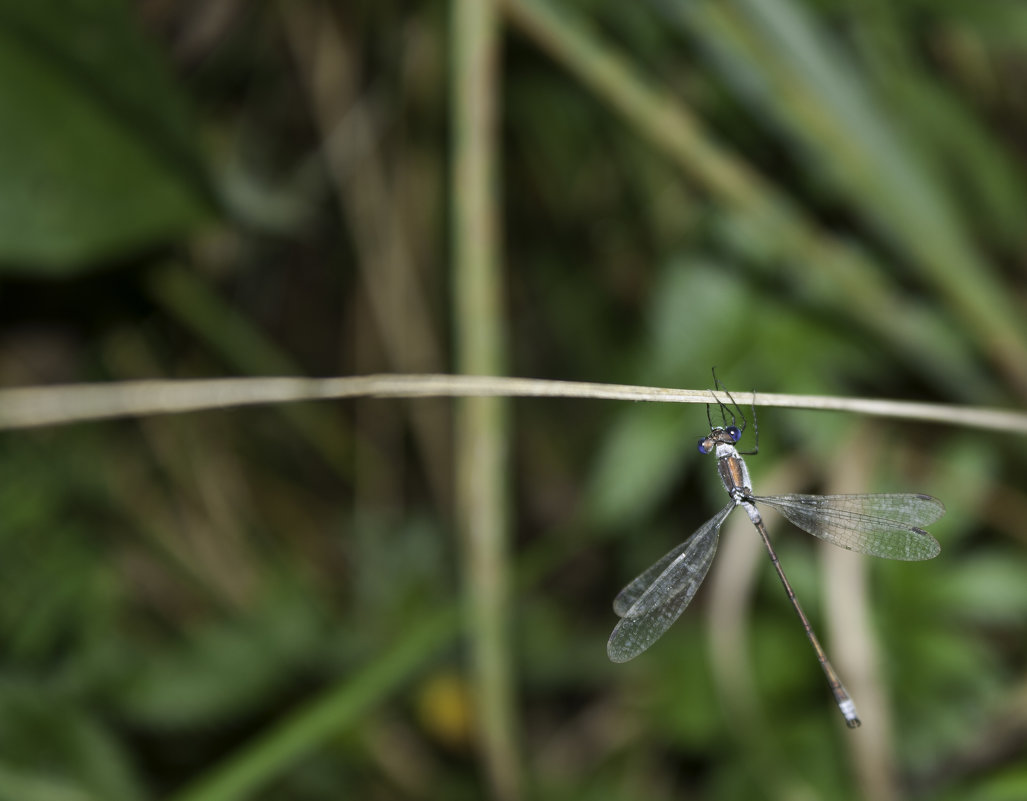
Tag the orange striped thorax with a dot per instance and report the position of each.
(731, 466)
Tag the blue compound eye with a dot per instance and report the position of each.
(703, 449)
(734, 432)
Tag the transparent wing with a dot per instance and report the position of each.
(627, 597)
(654, 600)
(886, 525)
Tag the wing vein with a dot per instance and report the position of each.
(888, 525)
(653, 601)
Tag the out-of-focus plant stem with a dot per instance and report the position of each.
(480, 425)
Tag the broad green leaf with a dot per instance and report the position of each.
(97, 157)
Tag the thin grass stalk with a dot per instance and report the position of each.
(480, 425)
(29, 407)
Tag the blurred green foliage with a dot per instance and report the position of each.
(99, 156)
(813, 197)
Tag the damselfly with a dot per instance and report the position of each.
(885, 525)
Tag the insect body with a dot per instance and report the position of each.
(885, 525)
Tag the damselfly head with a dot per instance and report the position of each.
(719, 435)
